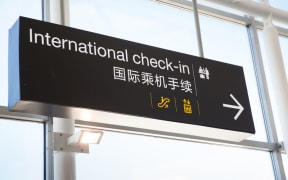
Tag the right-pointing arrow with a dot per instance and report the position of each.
(239, 106)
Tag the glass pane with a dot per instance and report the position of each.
(131, 157)
(228, 42)
(9, 13)
(22, 147)
(140, 21)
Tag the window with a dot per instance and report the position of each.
(167, 27)
(21, 142)
(124, 156)
(137, 157)
(222, 45)
(22, 150)
(10, 11)
(140, 21)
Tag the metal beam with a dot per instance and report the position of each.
(255, 145)
(188, 5)
(198, 29)
(255, 9)
(5, 113)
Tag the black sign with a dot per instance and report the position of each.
(54, 66)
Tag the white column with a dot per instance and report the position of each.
(277, 73)
(64, 162)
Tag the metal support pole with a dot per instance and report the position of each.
(64, 162)
(277, 73)
(65, 12)
(56, 11)
(198, 30)
(49, 144)
(59, 165)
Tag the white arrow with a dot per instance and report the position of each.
(239, 106)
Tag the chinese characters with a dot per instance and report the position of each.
(149, 79)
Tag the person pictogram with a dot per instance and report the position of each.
(204, 73)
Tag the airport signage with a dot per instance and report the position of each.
(66, 72)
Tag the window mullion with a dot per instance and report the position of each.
(265, 100)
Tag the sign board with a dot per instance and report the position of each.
(70, 73)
